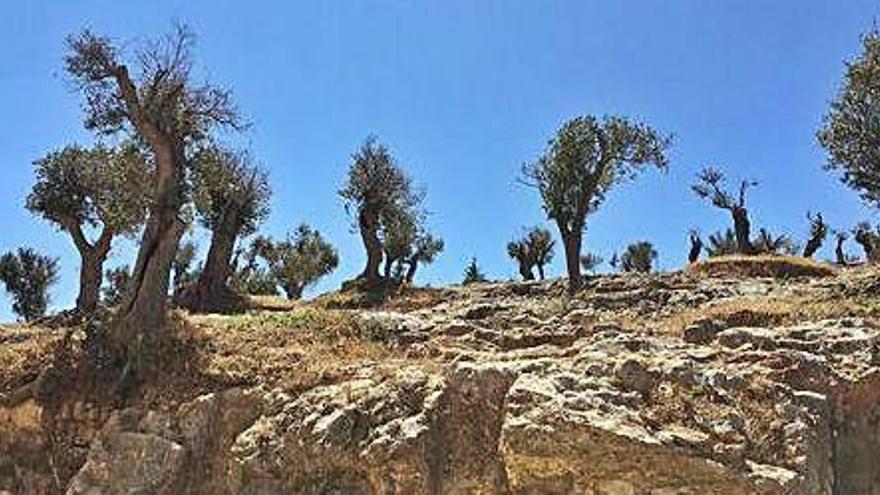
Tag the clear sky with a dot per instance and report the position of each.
(464, 92)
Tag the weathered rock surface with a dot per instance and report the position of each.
(514, 389)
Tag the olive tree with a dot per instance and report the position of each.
(379, 195)
(249, 275)
(540, 244)
(638, 257)
(533, 250)
(27, 276)
(183, 269)
(840, 255)
(585, 159)
(231, 197)
(425, 250)
(851, 130)
(473, 274)
(818, 233)
(767, 243)
(869, 239)
(722, 243)
(153, 96)
(519, 251)
(710, 186)
(300, 260)
(83, 189)
(591, 261)
(696, 246)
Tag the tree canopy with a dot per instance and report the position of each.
(300, 260)
(585, 159)
(27, 276)
(98, 188)
(638, 257)
(851, 130)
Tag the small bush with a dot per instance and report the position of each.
(777, 266)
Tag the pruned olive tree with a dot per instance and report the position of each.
(818, 233)
(638, 257)
(540, 244)
(585, 159)
(152, 95)
(533, 250)
(710, 186)
(722, 243)
(840, 256)
(378, 194)
(868, 238)
(83, 189)
(851, 130)
(767, 243)
(27, 276)
(231, 197)
(696, 246)
(518, 250)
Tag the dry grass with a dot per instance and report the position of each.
(759, 312)
(24, 351)
(272, 303)
(776, 266)
(293, 350)
(403, 299)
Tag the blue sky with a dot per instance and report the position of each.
(464, 92)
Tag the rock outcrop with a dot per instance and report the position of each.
(516, 389)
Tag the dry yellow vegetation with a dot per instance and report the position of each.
(777, 266)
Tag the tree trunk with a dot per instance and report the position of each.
(411, 271)
(742, 228)
(812, 246)
(141, 317)
(525, 272)
(541, 271)
(696, 248)
(91, 273)
(293, 291)
(91, 269)
(572, 241)
(211, 292)
(389, 264)
(838, 251)
(369, 226)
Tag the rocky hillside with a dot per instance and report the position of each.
(665, 384)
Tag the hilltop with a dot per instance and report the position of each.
(662, 383)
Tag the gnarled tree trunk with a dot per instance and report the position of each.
(838, 252)
(540, 271)
(368, 223)
(293, 290)
(571, 240)
(91, 270)
(524, 271)
(141, 316)
(743, 230)
(211, 292)
(411, 268)
(696, 248)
